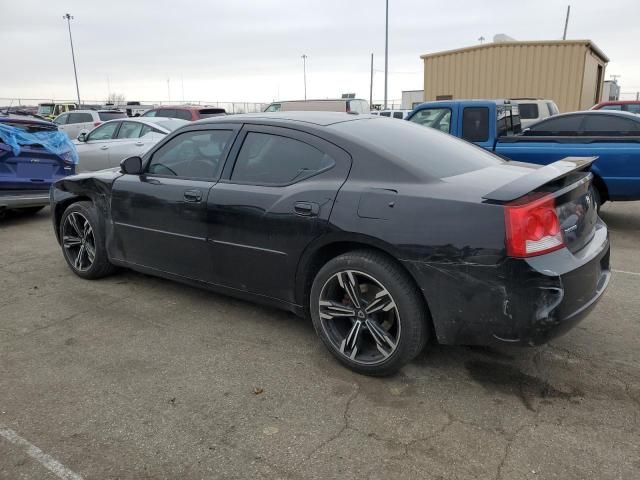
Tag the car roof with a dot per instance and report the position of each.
(146, 120)
(617, 113)
(184, 107)
(316, 118)
(317, 100)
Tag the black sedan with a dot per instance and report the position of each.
(385, 233)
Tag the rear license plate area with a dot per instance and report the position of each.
(34, 171)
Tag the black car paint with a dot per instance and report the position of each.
(249, 241)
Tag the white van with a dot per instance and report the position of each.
(348, 105)
(533, 110)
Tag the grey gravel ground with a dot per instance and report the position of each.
(133, 377)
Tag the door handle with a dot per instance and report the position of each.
(104, 147)
(193, 195)
(306, 209)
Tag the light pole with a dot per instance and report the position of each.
(304, 72)
(386, 52)
(68, 18)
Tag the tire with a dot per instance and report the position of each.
(81, 230)
(387, 299)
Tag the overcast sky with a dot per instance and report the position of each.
(242, 50)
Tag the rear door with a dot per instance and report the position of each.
(274, 199)
(127, 142)
(160, 217)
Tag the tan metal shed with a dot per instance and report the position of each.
(570, 72)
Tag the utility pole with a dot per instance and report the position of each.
(481, 40)
(371, 85)
(168, 90)
(386, 52)
(566, 23)
(68, 18)
(304, 73)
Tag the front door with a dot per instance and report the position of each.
(271, 203)
(160, 217)
(94, 151)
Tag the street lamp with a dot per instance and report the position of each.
(304, 72)
(68, 18)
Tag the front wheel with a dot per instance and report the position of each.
(368, 312)
(82, 241)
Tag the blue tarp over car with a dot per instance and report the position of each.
(15, 135)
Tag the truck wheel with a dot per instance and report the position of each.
(368, 312)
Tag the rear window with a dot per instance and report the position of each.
(424, 151)
(475, 124)
(528, 110)
(80, 118)
(211, 112)
(104, 116)
(610, 125)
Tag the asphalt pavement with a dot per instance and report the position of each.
(134, 377)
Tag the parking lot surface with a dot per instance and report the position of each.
(133, 377)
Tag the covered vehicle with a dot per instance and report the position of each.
(33, 154)
(385, 233)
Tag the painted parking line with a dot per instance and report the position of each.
(626, 272)
(34, 452)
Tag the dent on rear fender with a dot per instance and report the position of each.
(472, 303)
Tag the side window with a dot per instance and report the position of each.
(192, 154)
(385, 114)
(475, 124)
(438, 118)
(61, 120)
(609, 125)
(633, 107)
(166, 112)
(565, 125)
(183, 114)
(611, 107)
(266, 159)
(146, 129)
(80, 118)
(150, 113)
(397, 115)
(274, 107)
(104, 132)
(129, 130)
(553, 109)
(528, 110)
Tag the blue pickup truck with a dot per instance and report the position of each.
(33, 155)
(613, 137)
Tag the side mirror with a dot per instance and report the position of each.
(131, 166)
(83, 136)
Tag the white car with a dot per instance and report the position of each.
(533, 110)
(72, 123)
(400, 114)
(105, 146)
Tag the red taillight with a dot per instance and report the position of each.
(532, 228)
(95, 124)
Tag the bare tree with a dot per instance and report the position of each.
(115, 99)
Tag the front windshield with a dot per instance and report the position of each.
(45, 109)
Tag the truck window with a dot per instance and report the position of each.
(553, 108)
(438, 118)
(475, 124)
(528, 110)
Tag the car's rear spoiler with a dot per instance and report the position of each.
(539, 177)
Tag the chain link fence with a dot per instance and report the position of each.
(230, 107)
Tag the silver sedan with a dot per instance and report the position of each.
(105, 146)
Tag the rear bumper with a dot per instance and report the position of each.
(23, 198)
(519, 301)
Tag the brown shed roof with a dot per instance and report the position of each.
(587, 43)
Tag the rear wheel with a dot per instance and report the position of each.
(83, 241)
(368, 312)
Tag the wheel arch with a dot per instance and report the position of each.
(331, 246)
(61, 206)
(600, 185)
